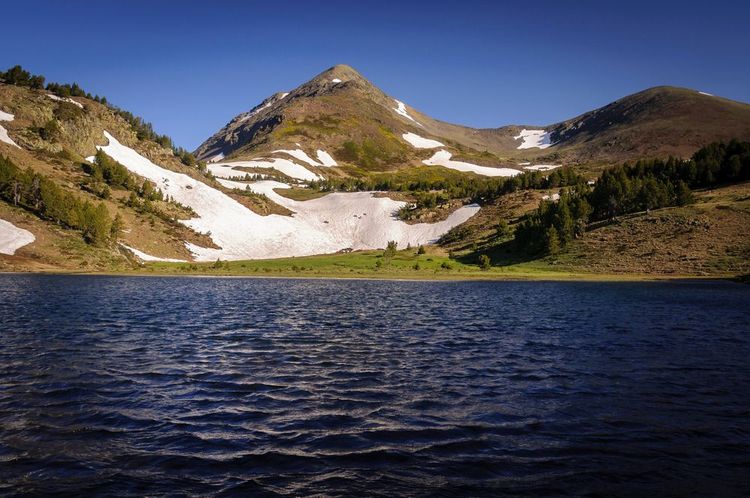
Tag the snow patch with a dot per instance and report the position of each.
(539, 139)
(218, 157)
(553, 197)
(147, 257)
(420, 142)
(283, 95)
(64, 99)
(335, 80)
(325, 158)
(254, 112)
(13, 238)
(707, 94)
(327, 224)
(542, 167)
(299, 154)
(443, 158)
(401, 109)
(4, 137)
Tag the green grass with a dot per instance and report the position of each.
(406, 264)
(300, 194)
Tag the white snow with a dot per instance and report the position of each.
(420, 142)
(13, 238)
(256, 111)
(218, 157)
(283, 95)
(6, 116)
(147, 257)
(231, 184)
(299, 154)
(326, 159)
(64, 99)
(542, 167)
(401, 109)
(707, 94)
(285, 166)
(335, 80)
(443, 158)
(553, 197)
(323, 225)
(539, 139)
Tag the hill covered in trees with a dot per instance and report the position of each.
(643, 186)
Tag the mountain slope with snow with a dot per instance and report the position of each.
(340, 110)
(324, 225)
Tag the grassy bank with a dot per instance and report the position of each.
(406, 264)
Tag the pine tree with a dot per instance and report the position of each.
(116, 228)
(553, 241)
(684, 194)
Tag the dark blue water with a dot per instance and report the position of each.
(153, 386)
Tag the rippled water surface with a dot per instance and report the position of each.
(151, 386)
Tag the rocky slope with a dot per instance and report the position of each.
(363, 129)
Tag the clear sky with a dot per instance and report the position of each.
(190, 66)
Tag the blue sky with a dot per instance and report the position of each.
(189, 66)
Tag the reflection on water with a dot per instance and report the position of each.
(134, 386)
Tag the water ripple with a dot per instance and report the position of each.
(227, 387)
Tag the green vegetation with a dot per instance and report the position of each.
(143, 129)
(42, 196)
(20, 77)
(441, 184)
(554, 224)
(404, 264)
(377, 151)
(628, 189)
(107, 170)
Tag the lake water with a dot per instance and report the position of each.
(253, 387)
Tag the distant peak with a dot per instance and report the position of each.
(341, 72)
(343, 68)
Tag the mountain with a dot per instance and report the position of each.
(138, 199)
(658, 122)
(362, 128)
(333, 166)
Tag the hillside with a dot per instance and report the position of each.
(363, 130)
(333, 166)
(142, 200)
(658, 122)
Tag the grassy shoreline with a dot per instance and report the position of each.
(372, 265)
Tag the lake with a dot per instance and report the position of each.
(149, 386)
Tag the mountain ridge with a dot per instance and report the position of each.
(614, 128)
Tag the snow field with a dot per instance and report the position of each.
(6, 116)
(539, 139)
(420, 142)
(443, 158)
(13, 238)
(323, 225)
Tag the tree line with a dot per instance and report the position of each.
(144, 130)
(645, 185)
(458, 186)
(43, 197)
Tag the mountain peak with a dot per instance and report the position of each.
(340, 73)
